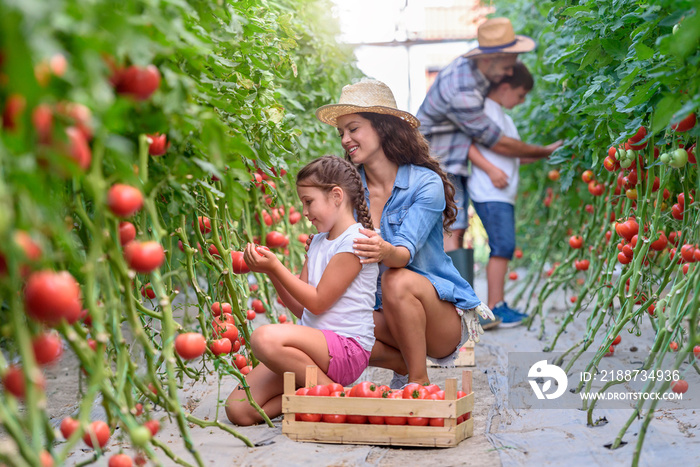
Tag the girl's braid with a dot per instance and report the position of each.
(358, 198)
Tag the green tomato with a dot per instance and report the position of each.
(665, 158)
(631, 154)
(625, 163)
(679, 158)
(140, 435)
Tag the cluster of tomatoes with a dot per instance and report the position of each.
(368, 389)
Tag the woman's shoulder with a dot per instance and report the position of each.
(423, 176)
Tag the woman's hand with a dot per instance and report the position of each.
(259, 258)
(373, 249)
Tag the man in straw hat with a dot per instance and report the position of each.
(452, 117)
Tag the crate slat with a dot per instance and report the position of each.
(385, 435)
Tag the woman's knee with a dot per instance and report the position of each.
(394, 283)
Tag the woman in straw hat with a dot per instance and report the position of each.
(424, 307)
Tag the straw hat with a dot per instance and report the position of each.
(496, 36)
(368, 95)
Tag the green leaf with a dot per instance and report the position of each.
(664, 111)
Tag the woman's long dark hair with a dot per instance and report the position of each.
(402, 144)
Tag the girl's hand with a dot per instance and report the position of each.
(372, 249)
(308, 242)
(259, 259)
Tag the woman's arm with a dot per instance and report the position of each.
(337, 277)
(425, 211)
(497, 176)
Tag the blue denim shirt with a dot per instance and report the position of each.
(412, 218)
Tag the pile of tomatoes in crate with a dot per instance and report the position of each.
(367, 389)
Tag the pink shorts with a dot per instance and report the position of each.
(348, 358)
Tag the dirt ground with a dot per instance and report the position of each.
(502, 435)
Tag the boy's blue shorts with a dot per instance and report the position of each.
(461, 200)
(499, 221)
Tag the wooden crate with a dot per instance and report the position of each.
(390, 435)
(466, 357)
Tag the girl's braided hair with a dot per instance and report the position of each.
(403, 144)
(327, 172)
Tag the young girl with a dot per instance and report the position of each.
(334, 295)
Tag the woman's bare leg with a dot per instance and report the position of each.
(420, 323)
(385, 353)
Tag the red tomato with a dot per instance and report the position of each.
(418, 421)
(375, 420)
(595, 188)
(686, 124)
(282, 318)
(127, 232)
(250, 315)
(138, 409)
(258, 306)
(153, 426)
(334, 418)
(573, 299)
(688, 253)
(576, 241)
(190, 345)
(553, 175)
(218, 307)
(51, 296)
(627, 229)
(587, 176)
(582, 265)
(395, 420)
(318, 390)
(224, 330)
(47, 347)
(14, 106)
(680, 386)
(137, 82)
(238, 265)
(14, 383)
(513, 275)
(240, 361)
(276, 239)
(294, 217)
(335, 387)
(673, 346)
(437, 422)
(641, 133)
(148, 292)
(311, 417)
(623, 258)
(357, 419)
(696, 352)
(432, 388)
(518, 253)
(42, 119)
(68, 426)
(124, 200)
(144, 256)
(221, 346)
(120, 460)
(415, 391)
(303, 238)
(660, 243)
(365, 389)
(617, 340)
(97, 431)
(158, 144)
(610, 164)
(691, 154)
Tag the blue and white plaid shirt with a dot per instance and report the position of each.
(452, 115)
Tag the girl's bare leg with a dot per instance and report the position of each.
(266, 387)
